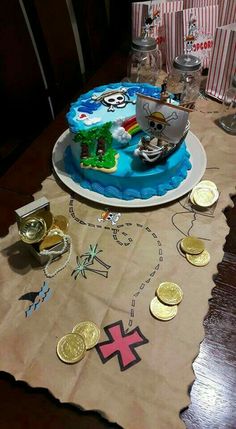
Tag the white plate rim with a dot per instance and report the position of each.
(198, 160)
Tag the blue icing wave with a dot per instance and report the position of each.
(129, 193)
(161, 190)
(112, 191)
(148, 193)
(97, 187)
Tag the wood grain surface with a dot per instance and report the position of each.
(213, 393)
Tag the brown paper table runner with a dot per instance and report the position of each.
(144, 385)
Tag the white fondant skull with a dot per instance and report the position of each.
(116, 100)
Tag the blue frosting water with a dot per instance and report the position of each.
(133, 178)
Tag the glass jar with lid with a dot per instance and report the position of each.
(184, 79)
(228, 119)
(144, 62)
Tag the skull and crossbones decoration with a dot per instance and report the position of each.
(114, 99)
(157, 122)
(112, 217)
(189, 43)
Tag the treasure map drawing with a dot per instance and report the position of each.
(36, 299)
(186, 211)
(94, 261)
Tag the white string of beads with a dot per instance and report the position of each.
(66, 242)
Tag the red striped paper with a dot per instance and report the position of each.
(227, 12)
(177, 30)
(223, 63)
(140, 11)
(199, 3)
(174, 34)
(206, 22)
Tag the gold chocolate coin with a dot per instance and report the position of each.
(199, 260)
(191, 196)
(50, 240)
(89, 331)
(61, 222)
(161, 311)
(205, 197)
(192, 245)
(46, 215)
(204, 194)
(207, 184)
(169, 293)
(71, 348)
(32, 230)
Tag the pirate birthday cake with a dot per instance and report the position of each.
(126, 142)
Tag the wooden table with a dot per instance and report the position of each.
(22, 406)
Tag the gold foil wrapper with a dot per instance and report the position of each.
(32, 230)
(71, 348)
(61, 222)
(199, 260)
(47, 216)
(192, 245)
(89, 331)
(204, 194)
(169, 293)
(161, 311)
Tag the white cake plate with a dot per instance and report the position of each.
(198, 160)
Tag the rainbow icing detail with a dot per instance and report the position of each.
(131, 126)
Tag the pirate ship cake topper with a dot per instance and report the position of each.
(165, 125)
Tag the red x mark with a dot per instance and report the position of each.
(121, 344)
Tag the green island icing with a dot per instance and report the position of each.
(90, 138)
(108, 160)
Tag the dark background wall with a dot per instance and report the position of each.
(40, 69)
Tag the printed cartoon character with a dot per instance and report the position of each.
(150, 19)
(114, 99)
(192, 25)
(189, 43)
(109, 216)
(157, 122)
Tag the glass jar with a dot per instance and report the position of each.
(144, 62)
(184, 79)
(228, 120)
